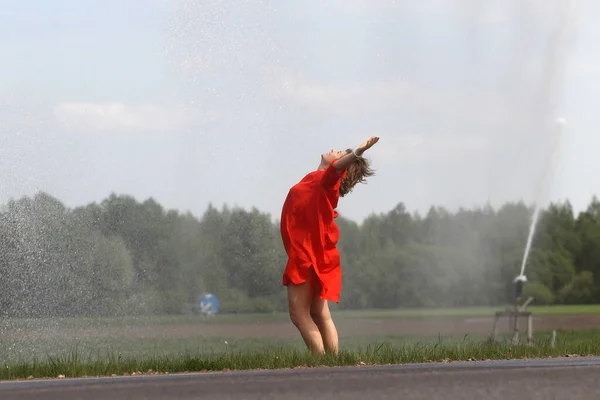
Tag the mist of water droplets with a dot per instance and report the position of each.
(234, 56)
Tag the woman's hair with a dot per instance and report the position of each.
(357, 172)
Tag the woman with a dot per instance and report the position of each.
(310, 235)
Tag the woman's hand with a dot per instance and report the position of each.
(346, 160)
(366, 145)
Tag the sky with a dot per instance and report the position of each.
(194, 102)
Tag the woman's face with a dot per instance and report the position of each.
(328, 158)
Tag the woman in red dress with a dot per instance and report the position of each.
(313, 273)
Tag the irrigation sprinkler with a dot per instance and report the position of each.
(519, 307)
(516, 311)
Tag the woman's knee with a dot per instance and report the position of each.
(319, 309)
(302, 318)
(320, 315)
(299, 305)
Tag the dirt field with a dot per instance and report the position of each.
(394, 327)
(285, 330)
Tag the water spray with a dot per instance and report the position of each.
(519, 308)
(558, 131)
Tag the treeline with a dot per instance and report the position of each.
(124, 257)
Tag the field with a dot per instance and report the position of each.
(76, 347)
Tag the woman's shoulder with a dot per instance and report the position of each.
(312, 176)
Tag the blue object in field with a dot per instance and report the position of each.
(209, 304)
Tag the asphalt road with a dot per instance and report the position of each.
(568, 378)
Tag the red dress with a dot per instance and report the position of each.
(309, 232)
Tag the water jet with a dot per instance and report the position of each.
(519, 307)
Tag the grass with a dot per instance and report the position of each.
(265, 354)
(62, 346)
(466, 312)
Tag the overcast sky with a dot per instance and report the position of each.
(233, 102)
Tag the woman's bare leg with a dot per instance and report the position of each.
(321, 316)
(299, 303)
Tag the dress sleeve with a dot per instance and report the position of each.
(331, 177)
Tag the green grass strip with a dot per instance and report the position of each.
(74, 364)
(466, 312)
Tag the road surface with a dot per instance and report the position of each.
(565, 378)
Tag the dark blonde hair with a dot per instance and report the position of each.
(357, 172)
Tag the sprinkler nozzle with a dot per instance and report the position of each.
(520, 278)
(519, 282)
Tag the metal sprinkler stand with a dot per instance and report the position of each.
(513, 314)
